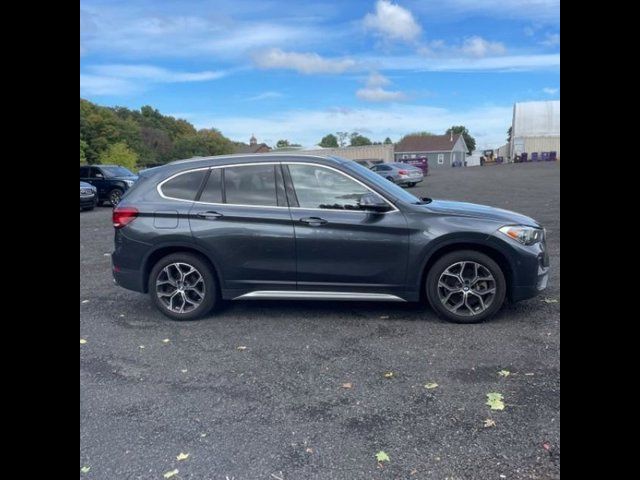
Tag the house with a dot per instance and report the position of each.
(253, 147)
(443, 151)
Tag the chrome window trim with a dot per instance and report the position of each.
(159, 187)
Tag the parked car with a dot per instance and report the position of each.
(88, 196)
(244, 227)
(400, 173)
(111, 181)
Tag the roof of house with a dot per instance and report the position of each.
(427, 143)
(244, 148)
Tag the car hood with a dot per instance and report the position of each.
(474, 210)
(85, 185)
(126, 177)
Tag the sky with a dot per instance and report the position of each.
(300, 70)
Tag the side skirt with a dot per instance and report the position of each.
(306, 295)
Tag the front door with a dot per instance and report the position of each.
(242, 219)
(340, 247)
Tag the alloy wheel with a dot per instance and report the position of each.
(466, 288)
(180, 287)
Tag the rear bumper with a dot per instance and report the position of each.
(129, 279)
(406, 181)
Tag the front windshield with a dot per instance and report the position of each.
(383, 183)
(117, 172)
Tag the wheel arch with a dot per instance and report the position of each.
(494, 253)
(162, 251)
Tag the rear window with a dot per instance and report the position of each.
(251, 185)
(184, 186)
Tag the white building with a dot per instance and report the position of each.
(536, 130)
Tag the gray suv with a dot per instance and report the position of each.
(290, 226)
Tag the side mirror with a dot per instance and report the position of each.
(372, 202)
(99, 175)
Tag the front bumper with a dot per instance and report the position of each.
(88, 201)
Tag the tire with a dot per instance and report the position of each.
(470, 298)
(114, 196)
(412, 184)
(390, 179)
(210, 295)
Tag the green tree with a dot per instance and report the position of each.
(358, 140)
(83, 155)
(282, 144)
(119, 154)
(468, 139)
(329, 141)
(342, 138)
(417, 134)
(387, 141)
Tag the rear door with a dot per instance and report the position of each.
(242, 219)
(339, 247)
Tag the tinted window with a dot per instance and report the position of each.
(250, 185)
(185, 186)
(381, 183)
(84, 172)
(117, 172)
(318, 187)
(96, 173)
(212, 193)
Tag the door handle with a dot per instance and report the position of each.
(313, 221)
(209, 215)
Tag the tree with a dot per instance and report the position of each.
(358, 140)
(342, 138)
(329, 141)
(282, 144)
(509, 134)
(83, 155)
(119, 154)
(417, 134)
(468, 139)
(387, 141)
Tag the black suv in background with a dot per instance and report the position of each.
(303, 227)
(111, 181)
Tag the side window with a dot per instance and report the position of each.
(440, 158)
(251, 185)
(185, 186)
(84, 172)
(318, 187)
(95, 173)
(212, 192)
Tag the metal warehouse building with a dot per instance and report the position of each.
(536, 130)
(374, 153)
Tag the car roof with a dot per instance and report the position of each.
(257, 158)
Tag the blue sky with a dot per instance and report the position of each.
(300, 70)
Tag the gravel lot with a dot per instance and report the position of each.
(151, 388)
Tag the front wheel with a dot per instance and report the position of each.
(466, 287)
(183, 287)
(390, 179)
(412, 184)
(114, 197)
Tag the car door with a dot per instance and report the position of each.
(242, 219)
(340, 247)
(98, 180)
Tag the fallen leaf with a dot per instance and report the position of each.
(85, 301)
(182, 456)
(107, 254)
(203, 435)
(141, 346)
(382, 456)
(494, 400)
(431, 385)
(529, 374)
(503, 476)
(346, 385)
(241, 348)
(121, 315)
(550, 300)
(309, 450)
(504, 373)
(413, 472)
(546, 446)
(166, 340)
(388, 375)
(489, 423)
(85, 469)
(171, 473)
(184, 370)
(82, 341)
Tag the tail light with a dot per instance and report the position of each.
(403, 172)
(123, 216)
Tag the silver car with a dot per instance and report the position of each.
(399, 173)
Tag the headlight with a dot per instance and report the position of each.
(129, 182)
(94, 189)
(522, 234)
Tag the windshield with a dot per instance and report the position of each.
(382, 182)
(117, 172)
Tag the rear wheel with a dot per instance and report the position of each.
(114, 197)
(390, 179)
(412, 184)
(183, 287)
(466, 287)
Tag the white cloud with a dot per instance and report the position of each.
(509, 63)
(550, 91)
(551, 40)
(99, 85)
(264, 96)
(529, 10)
(392, 22)
(306, 63)
(487, 124)
(479, 47)
(373, 91)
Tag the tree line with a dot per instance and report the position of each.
(141, 138)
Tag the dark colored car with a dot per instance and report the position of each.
(110, 180)
(303, 227)
(88, 196)
(400, 173)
